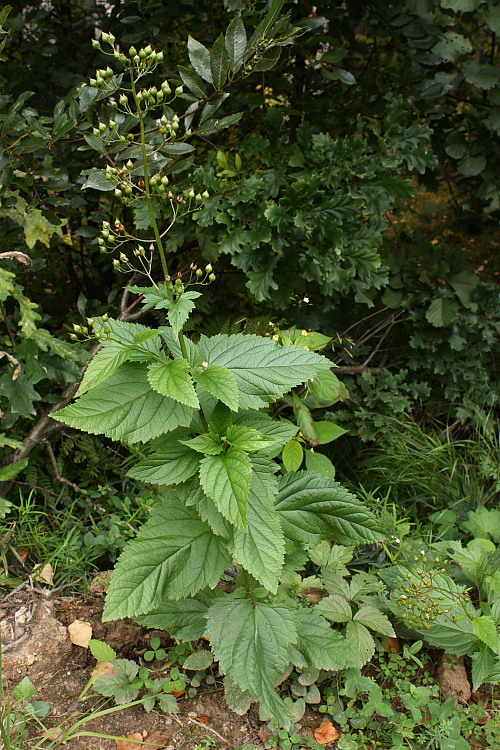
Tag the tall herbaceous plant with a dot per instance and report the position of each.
(201, 406)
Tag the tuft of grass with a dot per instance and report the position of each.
(431, 470)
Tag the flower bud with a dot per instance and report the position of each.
(116, 263)
(211, 277)
(123, 258)
(123, 100)
(159, 57)
(105, 36)
(164, 180)
(107, 329)
(109, 72)
(128, 190)
(96, 132)
(122, 58)
(137, 59)
(102, 127)
(132, 52)
(148, 49)
(208, 268)
(73, 337)
(190, 193)
(90, 321)
(198, 198)
(122, 139)
(112, 124)
(111, 38)
(129, 165)
(179, 90)
(118, 193)
(143, 54)
(93, 82)
(166, 88)
(96, 44)
(178, 282)
(77, 328)
(205, 194)
(199, 272)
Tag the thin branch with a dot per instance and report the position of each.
(57, 473)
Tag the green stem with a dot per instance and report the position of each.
(147, 189)
(182, 342)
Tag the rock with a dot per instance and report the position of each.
(35, 644)
(453, 679)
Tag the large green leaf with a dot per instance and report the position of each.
(174, 555)
(169, 463)
(375, 620)
(173, 379)
(335, 608)
(441, 312)
(312, 508)
(219, 62)
(360, 641)
(226, 479)
(280, 430)
(293, 455)
(236, 42)
(184, 620)
(199, 57)
(220, 383)
(486, 630)
(318, 645)
(261, 549)
(125, 407)
(102, 366)
(247, 438)
(252, 641)
(263, 370)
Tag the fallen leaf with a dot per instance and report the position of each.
(313, 595)
(130, 742)
(156, 741)
(263, 736)
(80, 633)
(52, 734)
(45, 574)
(205, 719)
(326, 733)
(102, 667)
(392, 645)
(177, 693)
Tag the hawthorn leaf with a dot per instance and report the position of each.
(174, 380)
(125, 407)
(226, 479)
(175, 555)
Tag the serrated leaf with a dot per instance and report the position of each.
(219, 62)
(169, 463)
(328, 432)
(251, 641)
(334, 583)
(10, 471)
(207, 443)
(320, 645)
(263, 371)
(325, 389)
(199, 660)
(320, 464)
(180, 310)
(247, 438)
(120, 685)
(101, 651)
(261, 549)
(199, 57)
(236, 42)
(441, 312)
(375, 620)
(293, 455)
(237, 699)
(125, 407)
(175, 555)
(335, 608)
(360, 641)
(207, 510)
(281, 430)
(312, 508)
(102, 366)
(226, 479)
(220, 383)
(193, 81)
(485, 629)
(173, 379)
(184, 620)
(483, 663)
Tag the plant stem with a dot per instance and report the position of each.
(147, 189)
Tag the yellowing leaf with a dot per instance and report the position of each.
(80, 633)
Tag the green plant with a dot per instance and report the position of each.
(200, 407)
(399, 707)
(450, 597)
